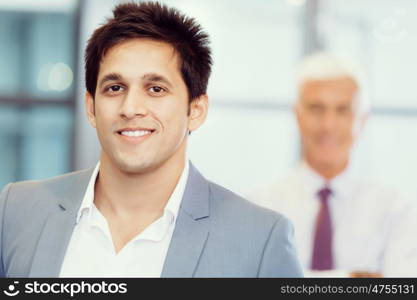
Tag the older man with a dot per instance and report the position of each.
(344, 226)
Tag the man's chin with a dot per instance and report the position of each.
(135, 167)
(329, 160)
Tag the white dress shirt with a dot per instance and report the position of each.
(91, 251)
(373, 226)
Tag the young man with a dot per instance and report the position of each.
(144, 211)
(345, 226)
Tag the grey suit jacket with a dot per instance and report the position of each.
(217, 234)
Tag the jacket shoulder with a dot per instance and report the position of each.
(53, 184)
(239, 210)
(32, 196)
(260, 239)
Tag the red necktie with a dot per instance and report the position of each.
(322, 258)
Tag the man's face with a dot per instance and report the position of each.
(141, 105)
(326, 115)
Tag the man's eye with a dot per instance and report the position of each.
(344, 110)
(157, 89)
(316, 108)
(115, 88)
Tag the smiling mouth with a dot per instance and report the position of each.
(135, 133)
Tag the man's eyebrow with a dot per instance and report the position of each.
(156, 78)
(110, 77)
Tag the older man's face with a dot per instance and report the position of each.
(326, 117)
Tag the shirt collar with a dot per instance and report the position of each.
(313, 181)
(174, 201)
(172, 206)
(88, 199)
(157, 231)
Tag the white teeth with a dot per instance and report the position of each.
(136, 133)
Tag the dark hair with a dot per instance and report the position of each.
(158, 22)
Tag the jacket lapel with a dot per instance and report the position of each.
(58, 228)
(187, 243)
(191, 229)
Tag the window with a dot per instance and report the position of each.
(37, 67)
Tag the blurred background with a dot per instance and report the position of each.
(250, 136)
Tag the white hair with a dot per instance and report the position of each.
(321, 66)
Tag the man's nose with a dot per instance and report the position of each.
(328, 120)
(134, 104)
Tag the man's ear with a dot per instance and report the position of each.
(89, 106)
(198, 112)
(297, 111)
(364, 120)
(360, 123)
